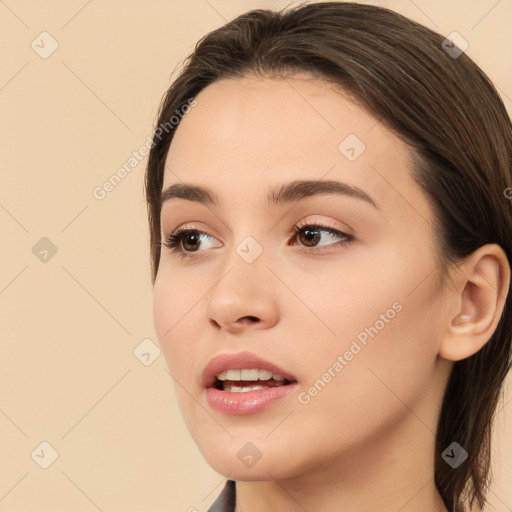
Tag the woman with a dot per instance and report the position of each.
(330, 244)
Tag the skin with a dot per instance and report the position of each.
(366, 441)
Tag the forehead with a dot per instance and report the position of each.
(291, 116)
(245, 135)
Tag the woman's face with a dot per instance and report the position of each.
(349, 315)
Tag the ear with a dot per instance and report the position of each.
(476, 300)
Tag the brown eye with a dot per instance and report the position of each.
(310, 235)
(190, 241)
(183, 241)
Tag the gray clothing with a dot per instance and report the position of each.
(226, 500)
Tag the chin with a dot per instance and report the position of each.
(242, 460)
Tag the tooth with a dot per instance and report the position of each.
(265, 375)
(233, 388)
(255, 388)
(249, 374)
(237, 388)
(233, 374)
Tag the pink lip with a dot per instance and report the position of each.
(240, 361)
(246, 403)
(251, 401)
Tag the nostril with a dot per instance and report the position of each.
(248, 319)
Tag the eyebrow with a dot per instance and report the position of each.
(294, 191)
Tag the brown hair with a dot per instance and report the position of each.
(450, 114)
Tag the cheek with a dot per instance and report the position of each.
(177, 311)
(177, 314)
(388, 360)
(380, 322)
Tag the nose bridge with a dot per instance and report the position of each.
(244, 269)
(246, 249)
(243, 289)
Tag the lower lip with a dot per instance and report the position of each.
(246, 403)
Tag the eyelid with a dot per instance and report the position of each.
(344, 237)
(345, 229)
(173, 240)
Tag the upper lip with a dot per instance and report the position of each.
(239, 361)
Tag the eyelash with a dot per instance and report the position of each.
(174, 239)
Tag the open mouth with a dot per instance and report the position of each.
(245, 386)
(246, 380)
(244, 383)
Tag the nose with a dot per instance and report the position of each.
(244, 298)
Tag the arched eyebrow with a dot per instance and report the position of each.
(294, 191)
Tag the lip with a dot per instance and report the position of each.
(239, 361)
(247, 403)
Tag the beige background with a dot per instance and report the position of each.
(70, 324)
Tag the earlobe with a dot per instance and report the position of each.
(480, 290)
